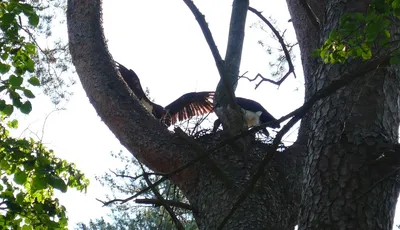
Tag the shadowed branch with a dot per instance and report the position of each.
(157, 202)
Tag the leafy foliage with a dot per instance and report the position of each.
(29, 172)
(52, 58)
(127, 182)
(357, 34)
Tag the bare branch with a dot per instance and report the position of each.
(173, 203)
(234, 49)
(45, 121)
(230, 69)
(207, 34)
(278, 83)
(284, 48)
(210, 40)
(106, 203)
(162, 201)
(135, 177)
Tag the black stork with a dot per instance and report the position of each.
(187, 106)
(254, 113)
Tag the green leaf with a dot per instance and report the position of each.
(29, 165)
(28, 93)
(26, 107)
(20, 177)
(26, 227)
(366, 54)
(30, 66)
(8, 110)
(4, 165)
(38, 183)
(4, 68)
(13, 124)
(395, 60)
(34, 81)
(58, 183)
(15, 97)
(4, 56)
(396, 12)
(15, 80)
(34, 20)
(20, 197)
(30, 48)
(7, 18)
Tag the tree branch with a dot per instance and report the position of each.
(220, 98)
(135, 177)
(173, 203)
(207, 34)
(174, 218)
(284, 48)
(229, 112)
(234, 49)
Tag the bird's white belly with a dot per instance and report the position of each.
(252, 118)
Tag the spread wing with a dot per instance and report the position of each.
(190, 105)
(133, 82)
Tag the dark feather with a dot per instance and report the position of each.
(190, 105)
(133, 82)
(185, 107)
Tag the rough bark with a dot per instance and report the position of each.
(327, 180)
(346, 186)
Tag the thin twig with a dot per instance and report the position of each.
(135, 177)
(157, 202)
(174, 218)
(284, 48)
(45, 121)
(278, 83)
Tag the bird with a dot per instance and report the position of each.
(254, 114)
(187, 106)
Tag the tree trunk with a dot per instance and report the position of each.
(346, 182)
(327, 180)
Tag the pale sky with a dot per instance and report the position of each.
(163, 43)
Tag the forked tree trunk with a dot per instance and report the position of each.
(347, 142)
